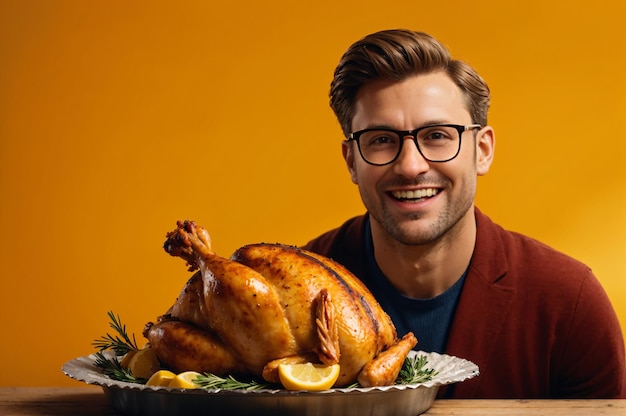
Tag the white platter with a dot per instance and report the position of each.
(401, 400)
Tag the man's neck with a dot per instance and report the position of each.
(425, 271)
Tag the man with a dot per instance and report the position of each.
(536, 322)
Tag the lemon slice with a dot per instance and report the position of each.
(161, 378)
(144, 363)
(185, 380)
(308, 376)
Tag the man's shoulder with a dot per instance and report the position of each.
(520, 254)
(344, 244)
(351, 231)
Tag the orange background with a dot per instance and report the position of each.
(118, 118)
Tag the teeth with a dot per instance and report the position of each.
(417, 194)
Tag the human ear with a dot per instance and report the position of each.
(485, 148)
(347, 149)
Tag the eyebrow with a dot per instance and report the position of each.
(428, 123)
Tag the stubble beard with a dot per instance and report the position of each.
(414, 230)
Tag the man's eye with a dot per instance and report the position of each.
(382, 139)
(436, 135)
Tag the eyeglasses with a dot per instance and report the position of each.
(436, 143)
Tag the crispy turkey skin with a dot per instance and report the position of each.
(270, 303)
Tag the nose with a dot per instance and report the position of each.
(410, 162)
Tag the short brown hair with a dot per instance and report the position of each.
(396, 55)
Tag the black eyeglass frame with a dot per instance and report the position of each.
(413, 133)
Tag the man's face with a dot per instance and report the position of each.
(412, 200)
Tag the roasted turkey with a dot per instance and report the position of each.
(273, 303)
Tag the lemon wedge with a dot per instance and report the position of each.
(144, 363)
(125, 361)
(161, 378)
(185, 380)
(308, 376)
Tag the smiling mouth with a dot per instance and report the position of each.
(415, 195)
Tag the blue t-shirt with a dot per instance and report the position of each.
(428, 319)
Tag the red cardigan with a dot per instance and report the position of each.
(536, 322)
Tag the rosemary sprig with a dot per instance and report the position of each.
(121, 345)
(413, 371)
(111, 367)
(211, 381)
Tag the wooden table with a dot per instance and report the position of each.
(90, 401)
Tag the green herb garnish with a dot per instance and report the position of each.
(121, 345)
(211, 381)
(413, 371)
(111, 367)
